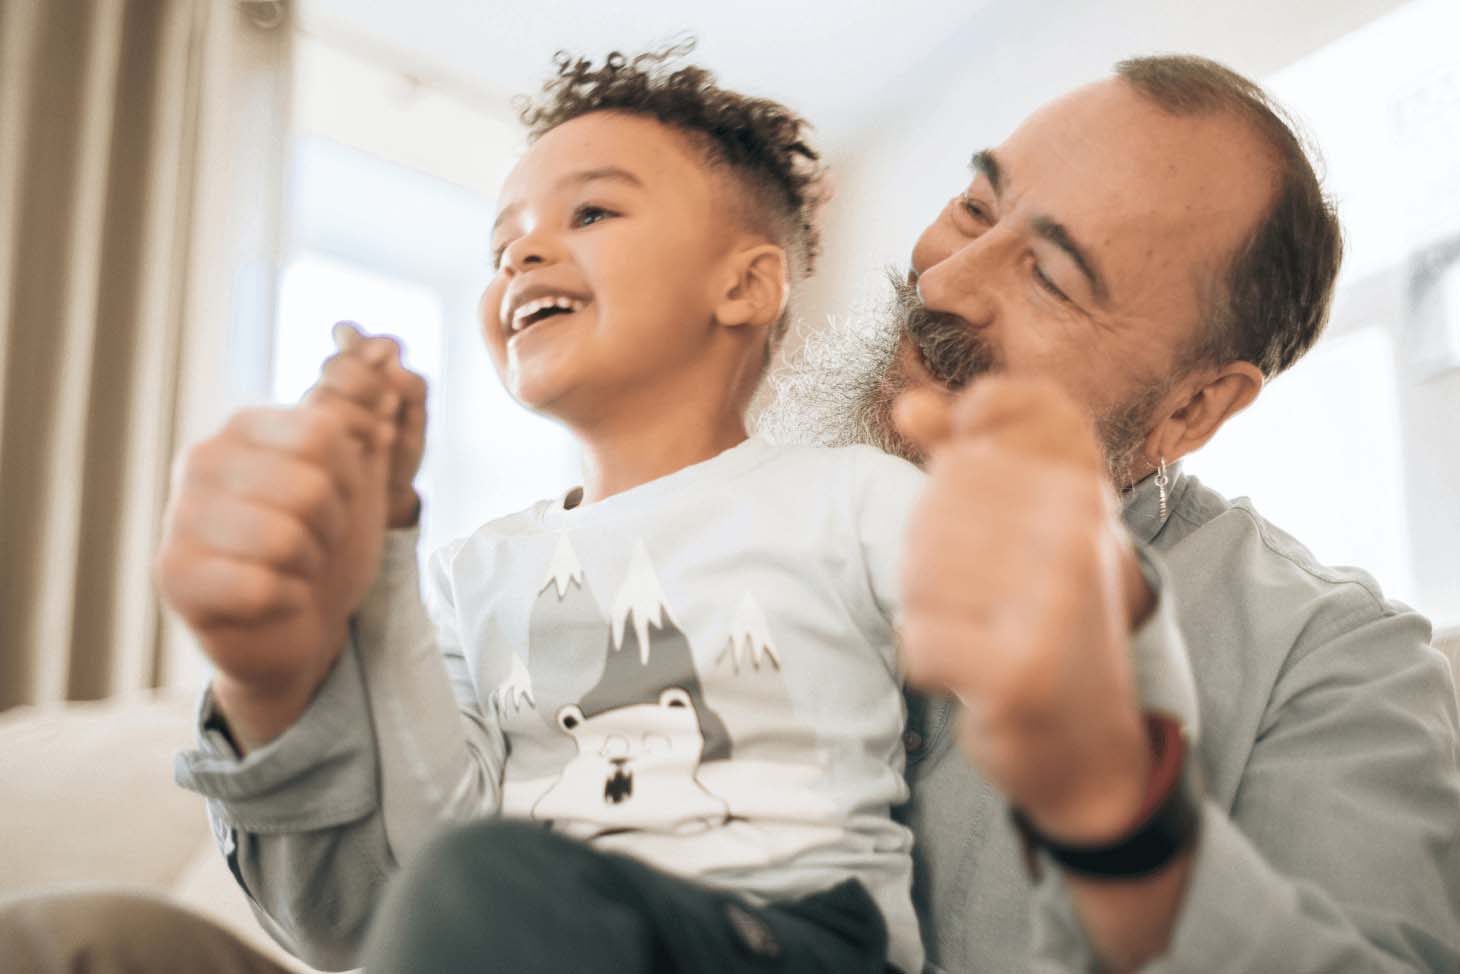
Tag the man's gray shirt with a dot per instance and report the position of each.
(1329, 744)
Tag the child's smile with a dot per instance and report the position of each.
(522, 311)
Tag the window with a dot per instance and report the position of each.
(1355, 451)
(1320, 456)
(318, 290)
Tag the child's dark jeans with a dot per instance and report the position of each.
(520, 899)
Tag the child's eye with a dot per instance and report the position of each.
(588, 214)
(497, 254)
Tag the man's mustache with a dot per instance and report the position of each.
(952, 351)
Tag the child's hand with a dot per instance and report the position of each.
(364, 369)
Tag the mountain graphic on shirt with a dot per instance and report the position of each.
(750, 647)
(566, 635)
(748, 689)
(648, 653)
(514, 694)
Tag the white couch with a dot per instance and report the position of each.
(87, 801)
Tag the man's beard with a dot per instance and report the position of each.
(839, 387)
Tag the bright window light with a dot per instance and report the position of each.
(1320, 455)
(1448, 356)
(318, 291)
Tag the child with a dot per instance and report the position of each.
(678, 680)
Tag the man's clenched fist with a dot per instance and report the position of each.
(1020, 588)
(275, 526)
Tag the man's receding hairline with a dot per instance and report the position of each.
(1212, 272)
(1281, 278)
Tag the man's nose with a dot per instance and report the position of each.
(961, 284)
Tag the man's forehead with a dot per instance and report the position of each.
(1127, 176)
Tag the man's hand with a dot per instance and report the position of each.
(1020, 591)
(275, 527)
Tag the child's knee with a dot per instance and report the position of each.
(511, 862)
(519, 893)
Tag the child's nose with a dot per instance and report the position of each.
(527, 252)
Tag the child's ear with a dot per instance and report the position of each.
(754, 289)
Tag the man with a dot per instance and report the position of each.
(1132, 264)
(1146, 251)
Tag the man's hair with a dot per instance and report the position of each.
(1272, 301)
(760, 143)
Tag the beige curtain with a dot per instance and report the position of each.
(141, 160)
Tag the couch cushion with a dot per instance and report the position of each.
(87, 802)
(86, 793)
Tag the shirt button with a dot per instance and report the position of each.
(912, 741)
(752, 931)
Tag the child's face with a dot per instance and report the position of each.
(610, 235)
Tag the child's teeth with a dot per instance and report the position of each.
(519, 320)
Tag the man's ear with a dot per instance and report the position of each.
(1203, 404)
(754, 288)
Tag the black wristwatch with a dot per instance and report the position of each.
(1165, 827)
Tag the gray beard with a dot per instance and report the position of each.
(838, 388)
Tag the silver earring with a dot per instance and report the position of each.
(1162, 482)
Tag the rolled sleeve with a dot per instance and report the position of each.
(318, 774)
(300, 820)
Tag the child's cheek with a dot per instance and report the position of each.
(489, 316)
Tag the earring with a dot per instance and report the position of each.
(1162, 482)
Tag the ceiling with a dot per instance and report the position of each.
(842, 63)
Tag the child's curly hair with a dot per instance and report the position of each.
(763, 143)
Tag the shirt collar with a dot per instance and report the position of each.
(1143, 504)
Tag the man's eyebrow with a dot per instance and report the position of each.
(1056, 233)
(985, 163)
(577, 179)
